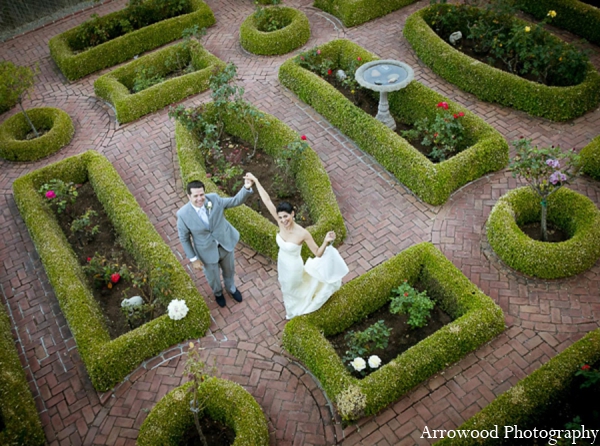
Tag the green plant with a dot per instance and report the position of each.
(84, 226)
(590, 376)
(286, 160)
(60, 194)
(104, 272)
(407, 300)
(267, 19)
(313, 61)
(362, 343)
(146, 77)
(545, 169)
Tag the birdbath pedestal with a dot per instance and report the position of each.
(384, 76)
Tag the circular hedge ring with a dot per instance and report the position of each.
(13, 145)
(226, 402)
(295, 34)
(574, 213)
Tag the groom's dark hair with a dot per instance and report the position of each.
(194, 185)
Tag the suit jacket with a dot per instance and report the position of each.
(202, 241)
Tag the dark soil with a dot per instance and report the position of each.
(2, 425)
(216, 433)
(105, 243)
(402, 338)
(262, 165)
(595, 3)
(31, 135)
(534, 231)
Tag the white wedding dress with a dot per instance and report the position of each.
(306, 288)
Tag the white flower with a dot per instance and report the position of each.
(209, 206)
(177, 309)
(358, 364)
(374, 361)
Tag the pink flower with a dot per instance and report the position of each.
(303, 137)
(359, 58)
(405, 294)
(461, 114)
(301, 57)
(318, 51)
(444, 105)
(89, 259)
(50, 195)
(208, 175)
(435, 135)
(115, 277)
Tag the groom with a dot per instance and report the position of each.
(208, 239)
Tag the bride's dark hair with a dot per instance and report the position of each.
(284, 206)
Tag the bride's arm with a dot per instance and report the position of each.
(264, 196)
(318, 250)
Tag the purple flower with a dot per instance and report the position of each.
(557, 176)
(555, 164)
(50, 195)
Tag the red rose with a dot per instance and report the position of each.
(435, 135)
(405, 294)
(329, 72)
(89, 259)
(455, 116)
(444, 105)
(359, 58)
(303, 137)
(115, 277)
(461, 114)
(585, 367)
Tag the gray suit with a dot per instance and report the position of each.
(213, 244)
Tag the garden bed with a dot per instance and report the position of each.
(107, 362)
(475, 321)
(115, 86)
(75, 65)
(433, 183)
(356, 12)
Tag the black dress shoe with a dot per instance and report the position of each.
(220, 300)
(237, 296)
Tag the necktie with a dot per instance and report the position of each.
(203, 216)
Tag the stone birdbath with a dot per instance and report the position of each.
(384, 76)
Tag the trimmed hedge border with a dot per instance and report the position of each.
(311, 178)
(433, 183)
(14, 147)
(355, 12)
(574, 16)
(574, 213)
(492, 85)
(228, 403)
(115, 86)
(476, 320)
(75, 66)
(277, 42)
(590, 158)
(107, 361)
(532, 397)
(21, 421)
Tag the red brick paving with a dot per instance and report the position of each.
(383, 218)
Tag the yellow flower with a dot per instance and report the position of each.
(527, 29)
(552, 13)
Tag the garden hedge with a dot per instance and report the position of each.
(295, 34)
(355, 12)
(574, 213)
(107, 361)
(431, 182)
(115, 86)
(476, 320)
(226, 402)
(574, 16)
(590, 158)
(14, 146)
(533, 397)
(7, 99)
(17, 408)
(77, 65)
(493, 85)
(311, 178)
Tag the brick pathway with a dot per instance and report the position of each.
(383, 218)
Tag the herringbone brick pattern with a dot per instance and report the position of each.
(382, 217)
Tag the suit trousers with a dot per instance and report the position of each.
(227, 265)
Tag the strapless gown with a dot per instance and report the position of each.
(306, 287)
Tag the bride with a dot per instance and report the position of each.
(305, 288)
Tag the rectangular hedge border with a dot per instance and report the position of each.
(115, 86)
(75, 66)
(590, 158)
(574, 16)
(311, 178)
(525, 403)
(476, 320)
(433, 183)
(21, 421)
(356, 12)
(107, 361)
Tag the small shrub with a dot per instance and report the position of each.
(363, 343)
(84, 226)
(60, 194)
(409, 301)
(105, 272)
(146, 77)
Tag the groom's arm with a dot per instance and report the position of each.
(184, 237)
(239, 198)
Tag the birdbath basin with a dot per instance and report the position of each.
(384, 76)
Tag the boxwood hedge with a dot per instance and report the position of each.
(107, 361)
(295, 34)
(476, 320)
(355, 12)
(115, 86)
(77, 65)
(525, 404)
(14, 146)
(493, 85)
(575, 16)
(21, 424)
(311, 178)
(574, 213)
(590, 158)
(431, 182)
(226, 402)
